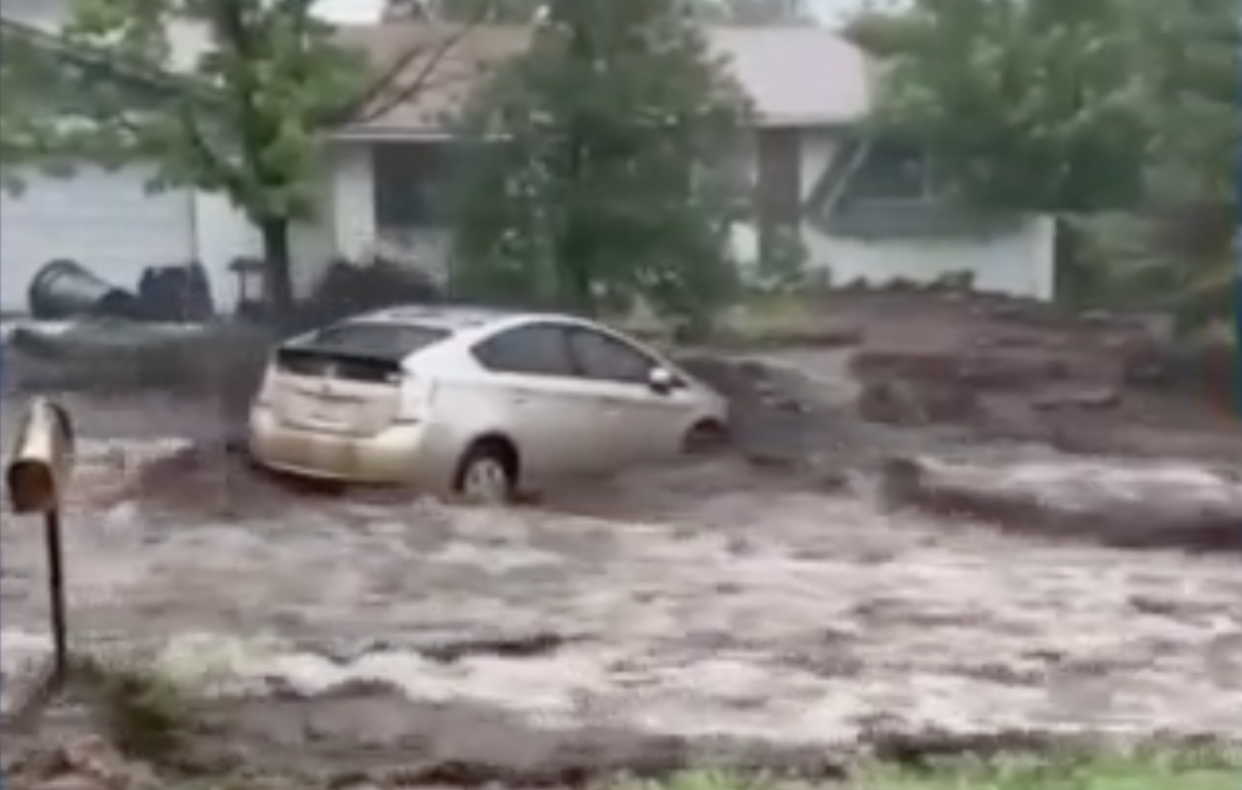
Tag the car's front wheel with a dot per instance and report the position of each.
(488, 473)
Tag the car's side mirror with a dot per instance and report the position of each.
(662, 380)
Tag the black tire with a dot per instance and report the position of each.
(705, 438)
(488, 472)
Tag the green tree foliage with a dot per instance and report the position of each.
(243, 120)
(1118, 115)
(1023, 103)
(595, 176)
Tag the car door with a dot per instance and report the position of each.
(532, 382)
(646, 424)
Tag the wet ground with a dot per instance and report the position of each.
(760, 610)
(709, 601)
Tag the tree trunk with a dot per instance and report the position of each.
(277, 270)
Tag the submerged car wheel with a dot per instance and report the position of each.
(705, 438)
(487, 474)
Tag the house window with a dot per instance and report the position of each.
(408, 185)
(891, 171)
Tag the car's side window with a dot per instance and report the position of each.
(533, 350)
(605, 358)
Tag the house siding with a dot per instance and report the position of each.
(342, 226)
(1017, 259)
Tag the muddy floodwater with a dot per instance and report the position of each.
(722, 603)
(768, 602)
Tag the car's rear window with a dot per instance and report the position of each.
(374, 339)
(359, 350)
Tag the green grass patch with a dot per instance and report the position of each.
(1157, 771)
(1190, 770)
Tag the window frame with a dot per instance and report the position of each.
(651, 359)
(478, 349)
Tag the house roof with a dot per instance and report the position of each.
(795, 76)
(425, 72)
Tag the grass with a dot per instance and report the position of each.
(146, 714)
(1162, 771)
(1201, 770)
(149, 716)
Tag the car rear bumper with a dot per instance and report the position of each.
(399, 455)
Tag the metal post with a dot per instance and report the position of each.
(56, 596)
(40, 466)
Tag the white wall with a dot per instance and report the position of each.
(343, 225)
(1017, 260)
(352, 197)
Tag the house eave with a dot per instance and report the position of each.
(387, 134)
(380, 133)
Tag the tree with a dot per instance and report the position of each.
(247, 118)
(1024, 103)
(1112, 114)
(596, 175)
(19, 138)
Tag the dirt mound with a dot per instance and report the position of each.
(1122, 506)
(1020, 369)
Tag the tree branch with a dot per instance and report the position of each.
(232, 181)
(370, 106)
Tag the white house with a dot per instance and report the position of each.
(864, 210)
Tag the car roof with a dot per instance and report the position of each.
(449, 317)
(457, 318)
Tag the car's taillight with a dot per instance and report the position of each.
(413, 398)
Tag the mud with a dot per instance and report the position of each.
(730, 612)
(1093, 383)
(758, 610)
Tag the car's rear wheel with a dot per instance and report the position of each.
(704, 438)
(488, 473)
